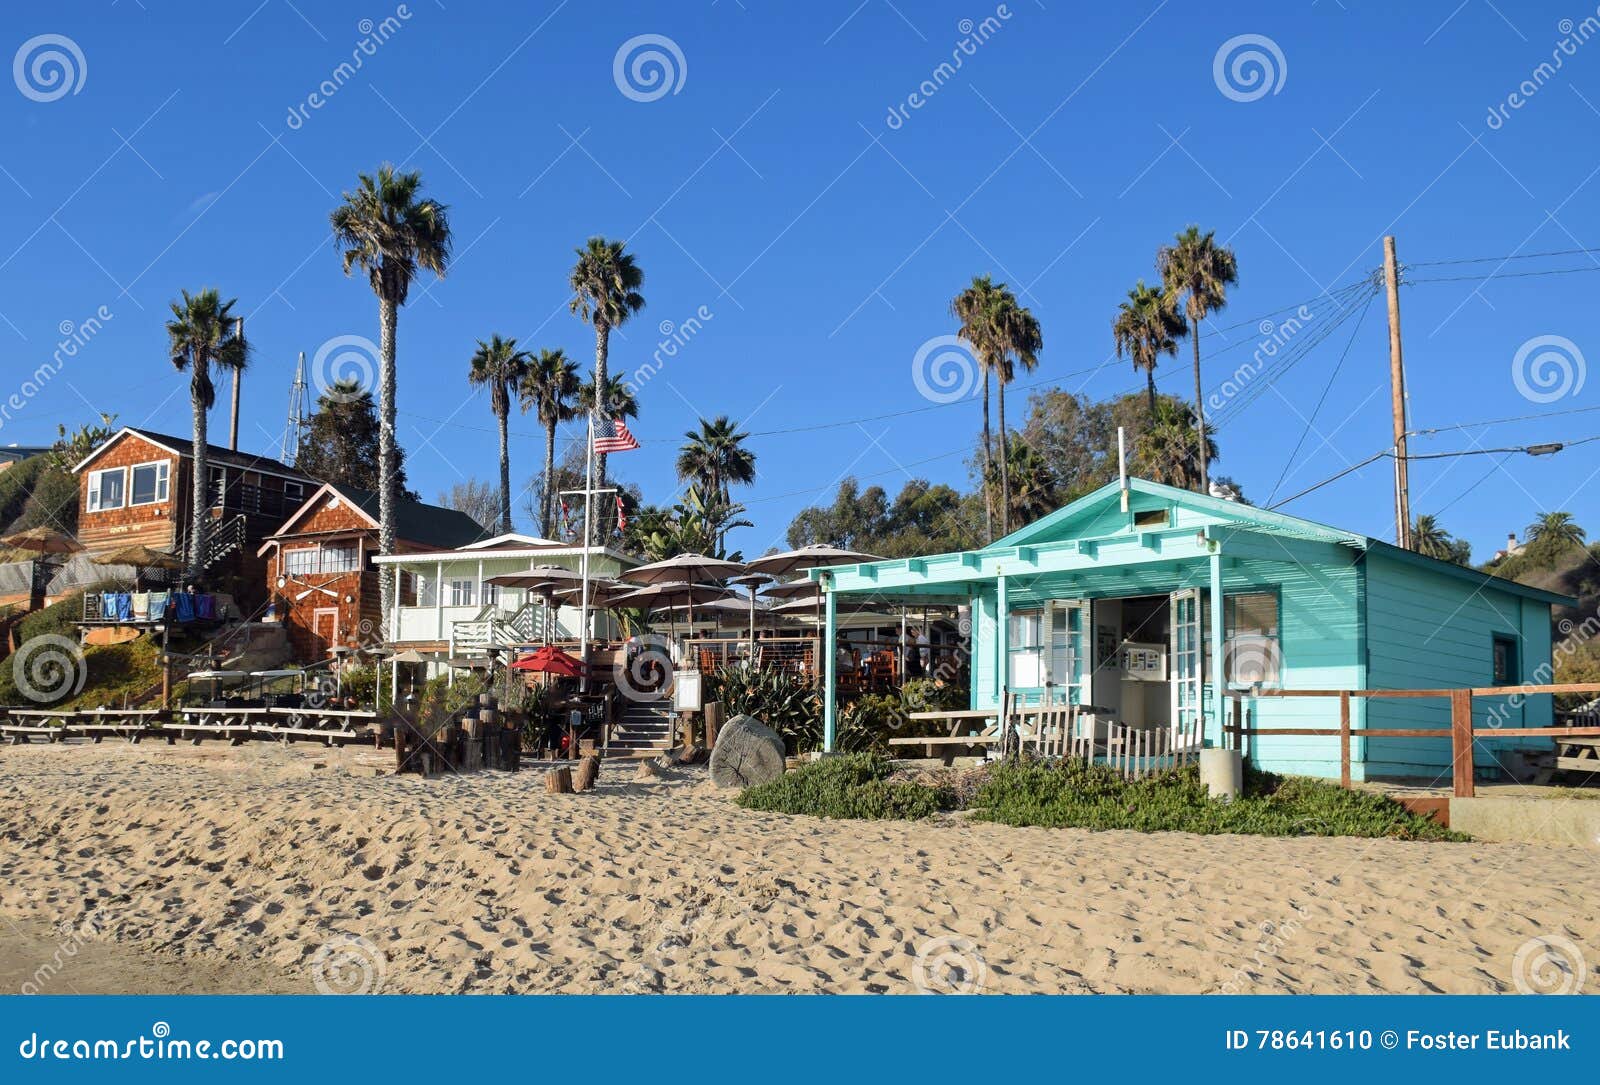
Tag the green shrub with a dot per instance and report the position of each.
(785, 702)
(440, 701)
(1081, 795)
(847, 786)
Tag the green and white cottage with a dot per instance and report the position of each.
(1111, 603)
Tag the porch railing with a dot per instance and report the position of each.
(1463, 732)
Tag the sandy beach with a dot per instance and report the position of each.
(129, 869)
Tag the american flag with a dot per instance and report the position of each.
(612, 436)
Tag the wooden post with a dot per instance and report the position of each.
(1344, 739)
(1461, 741)
(558, 781)
(713, 713)
(588, 769)
(1397, 398)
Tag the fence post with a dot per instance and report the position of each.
(1461, 741)
(1344, 739)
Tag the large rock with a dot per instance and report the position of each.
(748, 752)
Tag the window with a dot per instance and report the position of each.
(1507, 670)
(320, 559)
(462, 592)
(491, 595)
(106, 489)
(1025, 649)
(1252, 645)
(1150, 518)
(294, 492)
(150, 483)
(427, 591)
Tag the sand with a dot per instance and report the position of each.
(294, 869)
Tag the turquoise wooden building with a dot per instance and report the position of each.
(1111, 603)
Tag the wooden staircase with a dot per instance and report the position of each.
(644, 727)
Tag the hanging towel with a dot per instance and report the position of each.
(108, 605)
(183, 606)
(158, 605)
(141, 605)
(124, 605)
(205, 607)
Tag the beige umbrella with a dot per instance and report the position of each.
(804, 588)
(43, 540)
(141, 557)
(675, 594)
(684, 569)
(815, 556)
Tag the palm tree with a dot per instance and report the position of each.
(1004, 335)
(1033, 483)
(1198, 271)
(1429, 538)
(204, 333)
(548, 389)
(1170, 449)
(500, 365)
(387, 231)
(1555, 531)
(605, 282)
(1146, 327)
(716, 456)
(620, 400)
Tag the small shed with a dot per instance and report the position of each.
(1148, 605)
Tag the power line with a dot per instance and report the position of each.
(1497, 275)
(1501, 421)
(1501, 259)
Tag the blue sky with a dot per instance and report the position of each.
(771, 190)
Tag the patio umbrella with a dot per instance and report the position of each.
(801, 608)
(751, 581)
(550, 660)
(804, 588)
(43, 540)
(673, 594)
(815, 556)
(142, 557)
(684, 569)
(537, 577)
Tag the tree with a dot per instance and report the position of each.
(1169, 451)
(605, 283)
(1033, 484)
(923, 519)
(715, 455)
(1004, 335)
(1197, 271)
(548, 390)
(203, 333)
(1554, 532)
(1146, 327)
(475, 497)
(1429, 538)
(340, 444)
(619, 399)
(500, 366)
(384, 228)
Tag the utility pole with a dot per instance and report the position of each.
(1397, 397)
(233, 413)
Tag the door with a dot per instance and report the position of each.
(324, 630)
(1068, 661)
(1185, 663)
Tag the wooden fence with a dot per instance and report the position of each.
(1062, 730)
(1463, 734)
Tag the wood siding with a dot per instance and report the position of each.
(158, 525)
(359, 617)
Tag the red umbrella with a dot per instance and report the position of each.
(551, 660)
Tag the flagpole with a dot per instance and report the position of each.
(588, 518)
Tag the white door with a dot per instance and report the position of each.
(1069, 662)
(1184, 655)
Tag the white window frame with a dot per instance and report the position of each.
(163, 482)
(463, 590)
(94, 503)
(299, 495)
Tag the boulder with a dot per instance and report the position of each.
(748, 752)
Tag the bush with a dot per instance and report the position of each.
(1077, 794)
(440, 701)
(847, 786)
(784, 702)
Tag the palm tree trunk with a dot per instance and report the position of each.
(602, 351)
(1199, 409)
(388, 316)
(1150, 392)
(988, 464)
(545, 508)
(200, 505)
(1005, 465)
(505, 474)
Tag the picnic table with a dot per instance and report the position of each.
(53, 725)
(987, 721)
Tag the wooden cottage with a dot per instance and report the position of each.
(319, 568)
(1143, 609)
(137, 489)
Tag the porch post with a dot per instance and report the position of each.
(1218, 673)
(829, 664)
(438, 601)
(1002, 636)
